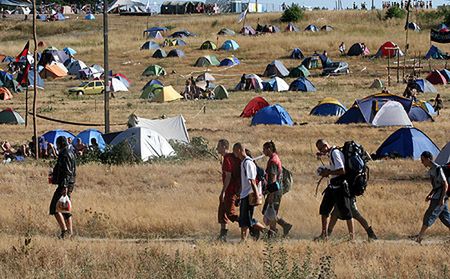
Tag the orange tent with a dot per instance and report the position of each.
(5, 94)
(53, 71)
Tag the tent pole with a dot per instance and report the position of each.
(26, 106)
(106, 66)
(36, 147)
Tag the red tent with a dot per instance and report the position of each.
(253, 106)
(387, 50)
(5, 94)
(435, 77)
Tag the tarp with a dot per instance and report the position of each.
(254, 106)
(272, 115)
(406, 143)
(87, 135)
(172, 128)
(276, 68)
(328, 107)
(302, 84)
(444, 155)
(51, 136)
(9, 116)
(391, 113)
(145, 143)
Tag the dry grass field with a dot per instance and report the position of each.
(113, 204)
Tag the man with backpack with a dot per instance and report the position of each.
(337, 193)
(437, 197)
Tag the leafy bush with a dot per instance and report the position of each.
(395, 12)
(292, 14)
(197, 149)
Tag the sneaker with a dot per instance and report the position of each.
(286, 229)
(223, 235)
(255, 233)
(371, 234)
(63, 234)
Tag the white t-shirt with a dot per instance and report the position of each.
(337, 160)
(248, 172)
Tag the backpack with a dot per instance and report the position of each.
(286, 180)
(356, 170)
(446, 170)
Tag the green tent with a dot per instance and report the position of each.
(299, 71)
(149, 91)
(9, 116)
(220, 92)
(154, 70)
(208, 45)
(208, 60)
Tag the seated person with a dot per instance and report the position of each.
(80, 147)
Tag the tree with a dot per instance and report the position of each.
(395, 12)
(292, 14)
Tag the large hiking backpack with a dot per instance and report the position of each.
(356, 170)
(286, 180)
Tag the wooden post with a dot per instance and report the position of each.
(398, 65)
(26, 105)
(36, 142)
(389, 71)
(106, 66)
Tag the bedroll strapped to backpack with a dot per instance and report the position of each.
(356, 170)
(286, 180)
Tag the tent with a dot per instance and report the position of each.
(51, 136)
(175, 53)
(435, 77)
(182, 34)
(364, 110)
(254, 106)
(226, 32)
(159, 53)
(412, 26)
(70, 51)
(327, 28)
(145, 143)
(9, 116)
(312, 28)
(328, 107)
(291, 27)
(444, 156)
(230, 61)
(75, 66)
(149, 91)
(299, 71)
(54, 70)
(171, 128)
(435, 53)
(276, 84)
(205, 77)
(424, 86)
(419, 114)
(150, 45)
(174, 42)
(208, 45)
(252, 82)
(358, 49)
(446, 74)
(276, 68)
(123, 79)
(154, 70)
(117, 85)
(5, 94)
(89, 17)
(302, 84)
(391, 113)
(7, 80)
(296, 54)
(51, 54)
(59, 17)
(156, 29)
(442, 28)
(166, 94)
(155, 35)
(272, 115)
(220, 92)
(427, 107)
(406, 143)
(311, 62)
(377, 84)
(389, 49)
(208, 60)
(151, 82)
(248, 30)
(87, 135)
(229, 45)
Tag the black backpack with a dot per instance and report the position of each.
(356, 169)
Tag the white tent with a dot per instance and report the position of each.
(117, 85)
(75, 67)
(391, 114)
(128, 5)
(444, 155)
(146, 144)
(279, 84)
(173, 128)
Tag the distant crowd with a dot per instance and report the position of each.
(413, 4)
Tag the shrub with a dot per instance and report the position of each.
(292, 14)
(394, 12)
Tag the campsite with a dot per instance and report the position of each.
(160, 217)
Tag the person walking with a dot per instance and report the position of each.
(63, 175)
(248, 187)
(231, 177)
(337, 193)
(274, 172)
(438, 103)
(437, 197)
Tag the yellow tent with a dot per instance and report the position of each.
(166, 94)
(329, 100)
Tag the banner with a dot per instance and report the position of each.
(440, 37)
(242, 15)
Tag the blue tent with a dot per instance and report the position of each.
(151, 82)
(272, 115)
(87, 135)
(229, 45)
(424, 86)
(89, 17)
(329, 107)
(159, 53)
(70, 51)
(39, 81)
(302, 84)
(312, 28)
(150, 45)
(297, 54)
(51, 136)
(446, 74)
(42, 17)
(156, 29)
(60, 16)
(175, 53)
(364, 110)
(231, 61)
(435, 53)
(419, 114)
(407, 143)
(430, 109)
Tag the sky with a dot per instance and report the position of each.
(345, 3)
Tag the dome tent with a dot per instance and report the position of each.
(254, 106)
(272, 115)
(328, 107)
(391, 113)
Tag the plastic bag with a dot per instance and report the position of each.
(270, 215)
(64, 205)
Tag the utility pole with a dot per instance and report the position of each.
(36, 142)
(106, 66)
(373, 5)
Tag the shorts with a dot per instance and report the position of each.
(57, 195)
(435, 211)
(276, 201)
(336, 197)
(355, 212)
(246, 214)
(227, 209)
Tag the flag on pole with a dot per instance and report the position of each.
(24, 52)
(242, 16)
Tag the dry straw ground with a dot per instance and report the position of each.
(180, 199)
